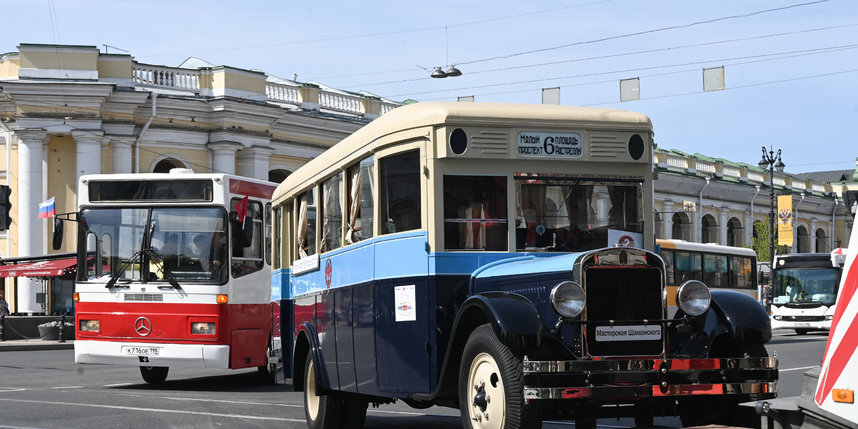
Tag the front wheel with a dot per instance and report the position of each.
(154, 374)
(321, 411)
(491, 394)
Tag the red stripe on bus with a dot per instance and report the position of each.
(252, 189)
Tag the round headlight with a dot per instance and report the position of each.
(567, 298)
(693, 297)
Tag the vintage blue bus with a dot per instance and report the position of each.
(491, 258)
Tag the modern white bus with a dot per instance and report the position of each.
(804, 291)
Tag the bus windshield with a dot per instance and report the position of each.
(570, 214)
(805, 285)
(154, 244)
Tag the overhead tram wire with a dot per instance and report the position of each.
(640, 33)
(759, 58)
(386, 33)
(752, 85)
(750, 14)
(623, 54)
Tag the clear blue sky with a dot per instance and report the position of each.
(791, 66)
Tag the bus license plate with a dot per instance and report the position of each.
(140, 351)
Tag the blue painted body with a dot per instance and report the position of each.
(362, 348)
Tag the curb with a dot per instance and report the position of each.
(19, 346)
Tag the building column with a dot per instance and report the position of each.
(253, 161)
(223, 156)
(120, 148)
(31, 229)
(722, 228)
(667, 220)
(88, 152)
(749, 228)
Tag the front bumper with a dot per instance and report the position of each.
(636, 379)
(169, 354)
(815, 325)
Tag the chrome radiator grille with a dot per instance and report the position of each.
(628, 296)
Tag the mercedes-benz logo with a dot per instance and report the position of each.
(142, 326)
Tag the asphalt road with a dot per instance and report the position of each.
(46, 389)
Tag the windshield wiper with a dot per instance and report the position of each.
(126, 264)
(157, 258)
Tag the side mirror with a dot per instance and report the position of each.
(57, 241)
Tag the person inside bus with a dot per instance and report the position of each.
(217, 255)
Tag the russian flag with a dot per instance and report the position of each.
(48, 208)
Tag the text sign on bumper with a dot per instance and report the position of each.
(628, 333)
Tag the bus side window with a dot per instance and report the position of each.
(669, 266)
(475, 213)
(714, 270)
(246, 260)
(331, 213)
(306, 235)
(400, 192)
(688, 267)
(277, 237)
(360, 203)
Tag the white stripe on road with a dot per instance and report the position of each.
(796, 369)
(155, 410)
(370, 410)
(119, 384)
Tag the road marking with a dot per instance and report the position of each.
(11, 389)
(67, 387)
(155, 410)
(269, 404)
(796, 369)
(119, 384)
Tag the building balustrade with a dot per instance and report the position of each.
(181, 79)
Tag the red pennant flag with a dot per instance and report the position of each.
(241, 208)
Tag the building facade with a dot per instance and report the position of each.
(66, 111)
(710, 200)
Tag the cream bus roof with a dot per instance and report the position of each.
(437, 113)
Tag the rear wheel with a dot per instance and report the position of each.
(266, 372)
(154, 374)
(491, 394)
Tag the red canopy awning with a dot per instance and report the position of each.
(53, 268)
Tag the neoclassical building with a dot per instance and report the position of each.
(66, 111)
(729, 197)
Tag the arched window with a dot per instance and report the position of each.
(278, 175)
(680, 227)
(167, 164)
(709, 230)
(735, 233)
(821, 241)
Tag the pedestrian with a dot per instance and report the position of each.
(4, 306)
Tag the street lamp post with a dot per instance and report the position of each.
(770, 162)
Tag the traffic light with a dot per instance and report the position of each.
(5, 207)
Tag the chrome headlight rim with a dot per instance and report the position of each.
(568, 299)
(693, 298)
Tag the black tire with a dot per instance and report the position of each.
(801, 331)
(265, 373)
(491, 393)
(154, 374)
(320, 411)
(354, 412)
